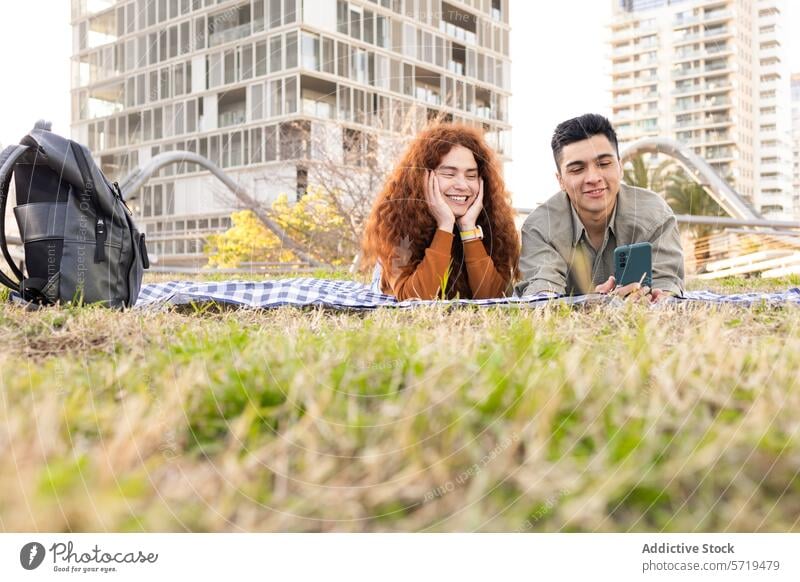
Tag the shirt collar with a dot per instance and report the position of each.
(578, 229)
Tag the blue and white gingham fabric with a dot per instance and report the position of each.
(351, 295)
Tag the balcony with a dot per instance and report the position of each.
(703, 105)
(104, 101)
(687, 72)
(314, 107)
(772, 71)
(229, 25)
(644, 115)
(88, 7)
(232, 107)
(770, 151)
(233, 117)
(102, 29)
(717, 120)
(632, 32)
(718, 135)
(626, 83)
(634, 48)
(318, 97)
(718, 102)
(622, 50)
(776, 167)
(724, 30)
(455, 67)
(714, 85)
(717, 15)
(723, 154)
(458, 23)
(716, 49)
(636, 97)
(689, 55)
(716, 65)
(484, 111)
(703, 88)
(695, 36)
(685, 20)
(631, 66)
(713, 50)
(698, 122)
(229, 35)
(783, 184)
(427, 87)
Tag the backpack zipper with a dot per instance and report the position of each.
(118, 193)
(100, 225)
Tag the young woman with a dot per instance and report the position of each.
(444, 221)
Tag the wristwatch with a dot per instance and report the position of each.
(473, 234)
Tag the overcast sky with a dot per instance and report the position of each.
(559, 70)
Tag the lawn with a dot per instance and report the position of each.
(592, 419)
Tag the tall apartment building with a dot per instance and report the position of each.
(713, 75)
(253, 84)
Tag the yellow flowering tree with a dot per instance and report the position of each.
(247, 240)
(313, 222)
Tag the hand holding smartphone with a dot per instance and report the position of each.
(634, 264)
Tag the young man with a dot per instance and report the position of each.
(568, 242)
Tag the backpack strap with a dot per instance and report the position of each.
(8, 157)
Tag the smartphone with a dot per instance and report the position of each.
(633, 261)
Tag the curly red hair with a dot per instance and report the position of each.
(400, 215)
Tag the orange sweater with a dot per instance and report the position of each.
(426, 280)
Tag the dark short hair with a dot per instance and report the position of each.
(579, 129)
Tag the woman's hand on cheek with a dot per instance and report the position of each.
(470, 218)
(445, 219)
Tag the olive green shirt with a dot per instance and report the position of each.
(557, 256)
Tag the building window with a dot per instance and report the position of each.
(289, 11)
(355, 22)
(246, 62)
(274, 13)
(310, 50)
(344, 103)
(258, 15)
(302, 181)
(261, 58)
(290, 91)
(294, 140)
(256, 146)
(275, 53)
(341, 17)
(256, 102)
(270, 143)
(328, 56)
(342, 57)
(291, 50)
(276, 101)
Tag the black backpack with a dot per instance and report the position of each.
(80, 241)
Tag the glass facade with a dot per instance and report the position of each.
(244, 82)
(642, 5)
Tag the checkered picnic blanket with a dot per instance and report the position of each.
(352, 295)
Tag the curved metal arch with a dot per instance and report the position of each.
(131, 184)
(699, 169)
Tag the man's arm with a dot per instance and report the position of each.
(543, 269)
(668, 257)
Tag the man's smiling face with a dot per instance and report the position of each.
(590, 173)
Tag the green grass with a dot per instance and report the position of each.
(598, 419)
